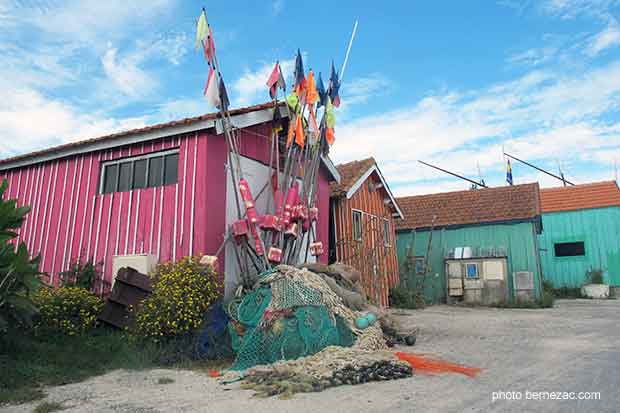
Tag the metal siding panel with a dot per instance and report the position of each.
(518, 238)
(598, 228)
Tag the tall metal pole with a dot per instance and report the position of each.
(453, 174)
(539, 169)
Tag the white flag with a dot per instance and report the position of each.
(212, 92)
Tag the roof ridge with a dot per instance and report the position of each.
(508, 187)
(146, 128)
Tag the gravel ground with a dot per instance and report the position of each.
(570, 348)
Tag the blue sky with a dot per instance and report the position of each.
(446, 82)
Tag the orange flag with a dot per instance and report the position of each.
(329, 136)
(299, 132)
(289, 136)
(311, 93)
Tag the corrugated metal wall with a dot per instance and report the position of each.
(377, 262)
(70, 219)
(599, 229)
(518, 239)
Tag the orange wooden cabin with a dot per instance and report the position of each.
(362, 213)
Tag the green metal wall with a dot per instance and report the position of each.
(519, 239)
(599, 229)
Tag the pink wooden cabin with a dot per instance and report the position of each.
(159, 192)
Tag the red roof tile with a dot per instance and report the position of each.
(350, 173)
(186, 121)
(486, 205)
(585, 196)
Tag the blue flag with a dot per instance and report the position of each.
(509, 173)
(320, 88)
(224, 102)
(300, 78)
(334, 87)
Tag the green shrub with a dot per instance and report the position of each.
(402, 297)
(182, 292)
(567, 292)
(66, 310)
(82, 274)
(546, 300)
(18, 273)
(595, 276)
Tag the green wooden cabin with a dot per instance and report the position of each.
(581, 232)
(491, 223)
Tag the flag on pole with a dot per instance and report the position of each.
(290, 133)
(330, 116)
(299, 132)
(329, 136)
(276, 80)
(311, 93)
(320, 88)
(212, 92)
(509, 173)
(202, 29)
(224, 102)
(293, 102)
(209, 47)
(334, 87)
(300, 79)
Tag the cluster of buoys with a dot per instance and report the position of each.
(365, 321)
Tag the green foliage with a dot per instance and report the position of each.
(34, 361)
(82, 274)
(48, 407)
(595, 276)
(402, 297)
(165, 380)
(18, 273)
(182, 292)
(66, 310)
(567, 292)
(546, 301)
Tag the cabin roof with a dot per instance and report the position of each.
(470, 207)
(354, 174)
(585, 196)
(241, 117)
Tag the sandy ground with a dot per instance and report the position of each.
(573, 347)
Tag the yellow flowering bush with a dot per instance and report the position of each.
(68, 310)
(182, 292)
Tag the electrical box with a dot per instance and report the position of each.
(477, 279)
(142, 263)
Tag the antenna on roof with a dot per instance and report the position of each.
(616, 170)
(561, 178)
(479, 173)
(561, 173)
(482, 184)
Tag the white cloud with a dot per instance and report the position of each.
(126, 74)
(30, 120)
(607, 38)
(89, 21)
(541, 116)
(251, 86)
(534, 57)
(570, 9)
(180, 108)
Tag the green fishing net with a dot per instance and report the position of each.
(299, 325)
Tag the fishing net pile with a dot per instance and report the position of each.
(298, 330)
(290, 313)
